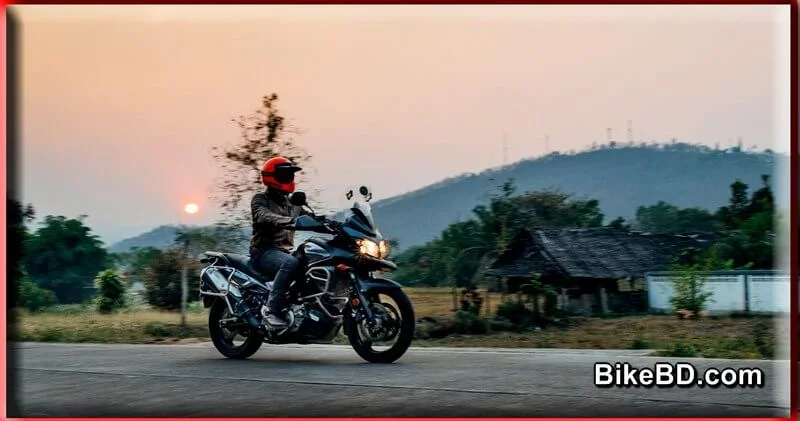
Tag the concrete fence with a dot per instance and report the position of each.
(757, 292)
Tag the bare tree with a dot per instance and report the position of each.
(264, 133)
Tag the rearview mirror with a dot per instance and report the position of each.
(363, 191)
(298, 199)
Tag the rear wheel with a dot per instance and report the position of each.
(240, 343)
(396, 329)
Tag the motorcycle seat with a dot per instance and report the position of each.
(241, 263)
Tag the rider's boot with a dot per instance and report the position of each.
(276, 304)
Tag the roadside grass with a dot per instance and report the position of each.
(723, 337)
(714, 337)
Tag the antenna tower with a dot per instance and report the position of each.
(630, 131)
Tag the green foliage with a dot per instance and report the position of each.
(640, 343)
(33, 297)
(465, 248)
(16, 236)
(750, 240)
(64, 256)
(469, 323)
(263, 134)
(689, 285)
(110, 292)
(516, 313)
(162, 280)
(669, 219)
(681, 350)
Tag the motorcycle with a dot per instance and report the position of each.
(340, 287)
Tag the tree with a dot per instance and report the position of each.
(17, 235)
(690, 294)
(264, 133)
(33, 297)
(751, 222)
(162, 280)
(665, 218)
(619, 224)
(738, 206)
(110, 292)
(64, 256)
(464, 248)
(138, 260)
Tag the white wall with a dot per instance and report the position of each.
(769, 294)
(731, 291)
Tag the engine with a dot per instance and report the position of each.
(310, 320)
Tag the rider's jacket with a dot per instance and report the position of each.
(271, 212)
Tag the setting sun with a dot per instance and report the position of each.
(191, 208)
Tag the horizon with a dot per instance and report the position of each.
(599, 146)
(438, 85)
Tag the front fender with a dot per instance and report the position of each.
(369, 284)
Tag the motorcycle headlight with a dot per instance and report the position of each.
(384, 249)
(368, 247)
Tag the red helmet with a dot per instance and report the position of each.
(278, 173)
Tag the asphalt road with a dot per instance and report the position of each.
(67, 380)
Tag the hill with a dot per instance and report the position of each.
(163, 236)
(622, 179)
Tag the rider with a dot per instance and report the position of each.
(271, 244)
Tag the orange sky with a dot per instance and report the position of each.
(121, 104)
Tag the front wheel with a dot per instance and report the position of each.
(224, 338)
(396, 325)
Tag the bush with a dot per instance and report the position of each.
(433, 328)
(33, 297)
(640, 343)
(681, 350)
(467, 322)
(516, 313)
(110, 292)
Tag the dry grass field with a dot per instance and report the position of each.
(743, 337)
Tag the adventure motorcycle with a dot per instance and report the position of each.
(339, 289)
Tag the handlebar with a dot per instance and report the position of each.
(330, 225)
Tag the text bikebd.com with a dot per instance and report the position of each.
(675, 375)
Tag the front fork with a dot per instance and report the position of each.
(360, 304)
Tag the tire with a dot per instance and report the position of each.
(225, 346)
(406, 335)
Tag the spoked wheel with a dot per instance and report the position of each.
(391, 339)
(237, 344)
